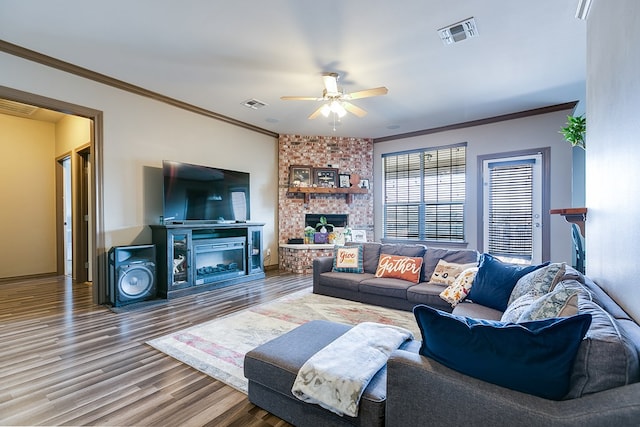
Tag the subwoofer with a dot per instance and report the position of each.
(132, 274)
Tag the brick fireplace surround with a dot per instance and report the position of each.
(348, 155)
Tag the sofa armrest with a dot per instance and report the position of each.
(321, 265)
(421, 391)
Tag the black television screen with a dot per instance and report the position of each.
(202, 193)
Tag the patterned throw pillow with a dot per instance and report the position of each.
(446, 272)
(399, 267)
(538, 282)
(516, 308)
(562, 302)
(348, 259)
(459, 289)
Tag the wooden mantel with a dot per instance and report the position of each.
(323, 190)
(573, 215)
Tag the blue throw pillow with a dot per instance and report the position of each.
(495, 280)
(532, 357)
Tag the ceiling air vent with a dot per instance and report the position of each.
(458, 32)
(254, 104)
(13, 107)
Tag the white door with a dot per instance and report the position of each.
(512, 208)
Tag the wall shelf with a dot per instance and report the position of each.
(307, 191)
(573, 215)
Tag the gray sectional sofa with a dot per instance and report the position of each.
(388, 292)
(413, 389)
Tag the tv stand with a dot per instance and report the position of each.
(199, 256)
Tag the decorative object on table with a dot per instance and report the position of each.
(364, 183)
(348, 237)
(309, 231)
(359, 236)
(321, 238)
(323, 226)
(300, 176)
(575, 130)
(338, 238)
(325, 177)
(345, 180)
(354, 179)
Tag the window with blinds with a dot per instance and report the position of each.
(511, 209)
(424, 194)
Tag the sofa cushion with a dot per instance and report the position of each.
(561, 302)
(399, 267)
(538, 282)
(495, 280)
(460, 287)
(476, 311)
(394, 288)
(606, 358)
(433, 255)
(348, 259)
(446, 273)
(348, 281)
(370, 255)
(402, 249)
(429, 294)
(532, 357)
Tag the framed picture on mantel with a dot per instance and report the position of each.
(325, 177)
(300, 176)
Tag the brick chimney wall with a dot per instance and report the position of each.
(348, 155)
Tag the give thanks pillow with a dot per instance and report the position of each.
(399, 267)
(348, 259)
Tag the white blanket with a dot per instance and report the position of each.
(336, 376)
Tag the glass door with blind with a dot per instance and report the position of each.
(512, 208)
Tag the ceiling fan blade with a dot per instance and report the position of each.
(368, 93)
(316, 113)
(300, 98)
(330, 83)
(354, 109)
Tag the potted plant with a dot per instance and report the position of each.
(575, 130)
(323, 226)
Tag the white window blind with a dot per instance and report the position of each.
(424, 194)
(511, 209)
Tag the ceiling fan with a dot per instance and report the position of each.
(335, 100)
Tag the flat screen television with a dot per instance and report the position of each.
(202, 193)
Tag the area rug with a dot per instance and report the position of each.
(217, 348)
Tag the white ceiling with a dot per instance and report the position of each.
(218, 54)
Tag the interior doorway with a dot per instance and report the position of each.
(93, 257)
(67, 217)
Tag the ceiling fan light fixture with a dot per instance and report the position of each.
(325, 110)
(337, 108)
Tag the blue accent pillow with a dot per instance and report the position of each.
(532, 357)
(495, 280)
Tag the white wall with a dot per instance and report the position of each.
(613, 150)
(138, 134)
(512, 135)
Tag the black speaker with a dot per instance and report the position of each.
(132, 274)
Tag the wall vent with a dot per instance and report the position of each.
(254, 104)
(17, 108)
(459, 31)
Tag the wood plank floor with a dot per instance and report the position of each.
(66, 361)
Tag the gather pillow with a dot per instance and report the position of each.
(399, 267)
(495, 280)
(348, 259)
(532, 357)
(459, 289)
(445, 272)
